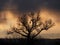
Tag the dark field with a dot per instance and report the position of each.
(34, 42)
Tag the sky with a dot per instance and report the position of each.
(48, 9)
(29, 5)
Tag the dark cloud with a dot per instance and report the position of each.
(31, 5)
(2, 3)
(52, 4)
(27, 5)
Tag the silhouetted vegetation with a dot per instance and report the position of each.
(28, 26)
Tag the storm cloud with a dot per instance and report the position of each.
(31, 5)
(52, 4)
(2, 4)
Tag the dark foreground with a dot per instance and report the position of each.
(35, 42)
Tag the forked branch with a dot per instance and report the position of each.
(15, 30)
(45, 27)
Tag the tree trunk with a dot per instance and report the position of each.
(29, 40)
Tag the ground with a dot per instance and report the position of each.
(35, 42)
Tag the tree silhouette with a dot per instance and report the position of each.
(35, 23)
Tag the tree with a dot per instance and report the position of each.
(28, 26)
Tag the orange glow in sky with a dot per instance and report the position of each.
(45, 14)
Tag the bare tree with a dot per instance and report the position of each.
(35, 23)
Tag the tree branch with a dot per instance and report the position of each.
(20, 33)
(45, 27)
(48, 24)
(35, 21)
(24, 22)
(24, 32)
(36, 34)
